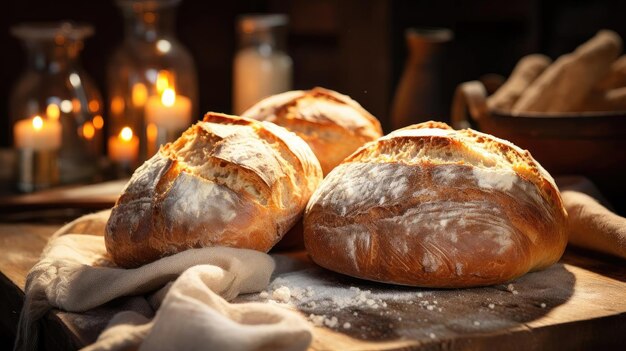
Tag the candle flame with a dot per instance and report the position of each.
(88, 130)
(94, 105)
(169, 97)
(52, 111)
(37, 123)
(126, 134)
(163, 81)
(139, 94)
(98, 122)
(117, 105)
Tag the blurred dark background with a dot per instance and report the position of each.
(354, 46)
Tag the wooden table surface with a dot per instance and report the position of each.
(584, 297)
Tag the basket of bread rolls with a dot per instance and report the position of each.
(570, 113)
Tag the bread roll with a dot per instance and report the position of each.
(430, 206)
(525, 72)
(332, 124)
(603, 101)
(564, 85)
(226, 181)
(615, 78)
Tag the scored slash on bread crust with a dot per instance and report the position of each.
(333, 124)
(430, 206)
(226, 181)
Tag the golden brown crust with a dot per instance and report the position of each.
(226, 181)
(331, 123)
(430, 206)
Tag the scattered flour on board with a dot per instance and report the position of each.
(282, 294)
(312, 294)
(511, 288)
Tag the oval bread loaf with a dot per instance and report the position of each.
(227, 181)
(332, 124)
(430, 206)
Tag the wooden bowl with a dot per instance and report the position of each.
(592, 144)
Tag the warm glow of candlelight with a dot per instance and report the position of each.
(117, 105)
(168, 98)
(163, 81)
(88, 130)
(52, 111)
(37, 123)
(126, 134)
(166, 109)
(76, 105)
(94, 105)
(124, 147)
(149, 17)
(151, 132)
(98, 122)
(139, 94)
(37, 133)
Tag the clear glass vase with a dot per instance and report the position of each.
(151, 83)
(55, 107)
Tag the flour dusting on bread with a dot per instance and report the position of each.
(226, 181)
(331, 123)
(436, 207)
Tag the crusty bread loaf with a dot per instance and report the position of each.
(332, 124)
(227, 181)
(430, 206)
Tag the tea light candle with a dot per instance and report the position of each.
(169, 111)
(124, 147)
(37, 134)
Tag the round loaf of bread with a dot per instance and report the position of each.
(332, 124)
(430, 206)
(227, 181)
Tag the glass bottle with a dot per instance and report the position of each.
(56, 107)
(151, 83)
(261, 66)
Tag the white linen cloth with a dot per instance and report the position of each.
(190, 294)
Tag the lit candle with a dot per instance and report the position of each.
(37, 134)
(169, 111)
(124, 147)
(139, 95)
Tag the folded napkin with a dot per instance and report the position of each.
(591, 224)
(189, 292)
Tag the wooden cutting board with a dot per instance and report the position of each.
(89, 197)
(579, 303)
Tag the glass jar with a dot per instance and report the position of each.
(55, 107)
(151, 83)
(261, 66)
